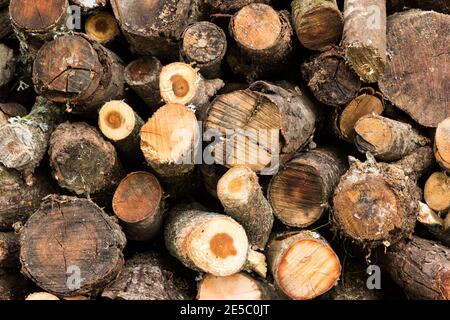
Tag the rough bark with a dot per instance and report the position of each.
(139, 204)
(302, 189)
(436, 225)
(330, 79)
(437, 191)
(9, 250)
(377, 203)
(421, 267)
(82, 161)
(318, 23)
(7, 64)
(102, 27)
(75, 69)
(364, 38)
(426, 34)
(230, 6)
(442, 144)
(203, 46)
(261, 127)
(67, 235)
(242, 198)
(442, 6)
(11, 110)
(303, 264)
(13, 285)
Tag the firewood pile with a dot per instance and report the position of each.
(212, 149)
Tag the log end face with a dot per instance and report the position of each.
(442, 144)
(178, 83)
(366, 61)
(116, 120)
(102, 27)
(142, 71)
(37, 15)
(437, 191)
(373, 135)
(239, 286)
(237, 185)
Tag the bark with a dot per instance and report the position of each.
(82, 161)
(231, 6)
(9, 250)
(19, 200)
(75, 69)
(11, 110)
(437, 226)
(102, 27)
(421, 267)
(318, 23)
(142, 76)
(364, 39)
(242, 198)
(261, 127)
(387, 139)
(7, 64)
(442, 144)
(442, 6)
(330, 79)
(437, 191)
(24, 140)
(302, 189)
(13, 286)
(426, 34)
(66, 235)
(150, 276)
(303, 264)
(139, 204)
(90, 5)
(5, 24)
(203, 46)
(264, 41)
(120, 124)
(377, 203)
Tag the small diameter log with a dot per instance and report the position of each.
(90, 5)
(82, 161)
(364, 39)
(5, 24)
(303, 264)
(231, 6)
(139, 204)
(41, 296)
(19, 200)
(181, 84)
(238, 286)
(24, 140)
(421, 267)
(261, 127)
(242, 198)
(102, 27)
(11, 110)
(437, 226)
(387, 139)
(9, 250)
(330, 79)
(377, 203)
(69, 236)
(142, 76)
(302, 189)
(77, 70)
(13, 285)
(149, 276)
(7, 64)
(437, 191)
(203, 46)
(120, 124)
(264, 39)
(318, 24)
(367, 102)
(426, 34)
(442, 144)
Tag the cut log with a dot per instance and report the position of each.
(367, 102)
(426, 34)
(364, 38)
(302, 189)
(203, 46)
(82, 161)
(421, 267)
(261, 127)
(238, 286)
(242, 198)
(264, 39)
(154, 27)
(5, 24)
(442, 6)
(437, 191)
(13, 285)
(70, 246)
(377, 203)
(120, 124)
(24, 140)
(303, 264)
(387, 139)
(102, 27)
(9, 250)
(139, 204)
(179, 83)
(434, 223)
(7, 64)
(77, 70)
(318, 24)
(19, 200)
(442, 144)
(142, 76)
(41, 296)
(11, 110)
(230, 6)
(150, 276)
(330, 79)
(90, 5)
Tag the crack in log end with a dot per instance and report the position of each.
(222, 245)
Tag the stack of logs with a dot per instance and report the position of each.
(211, 149)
